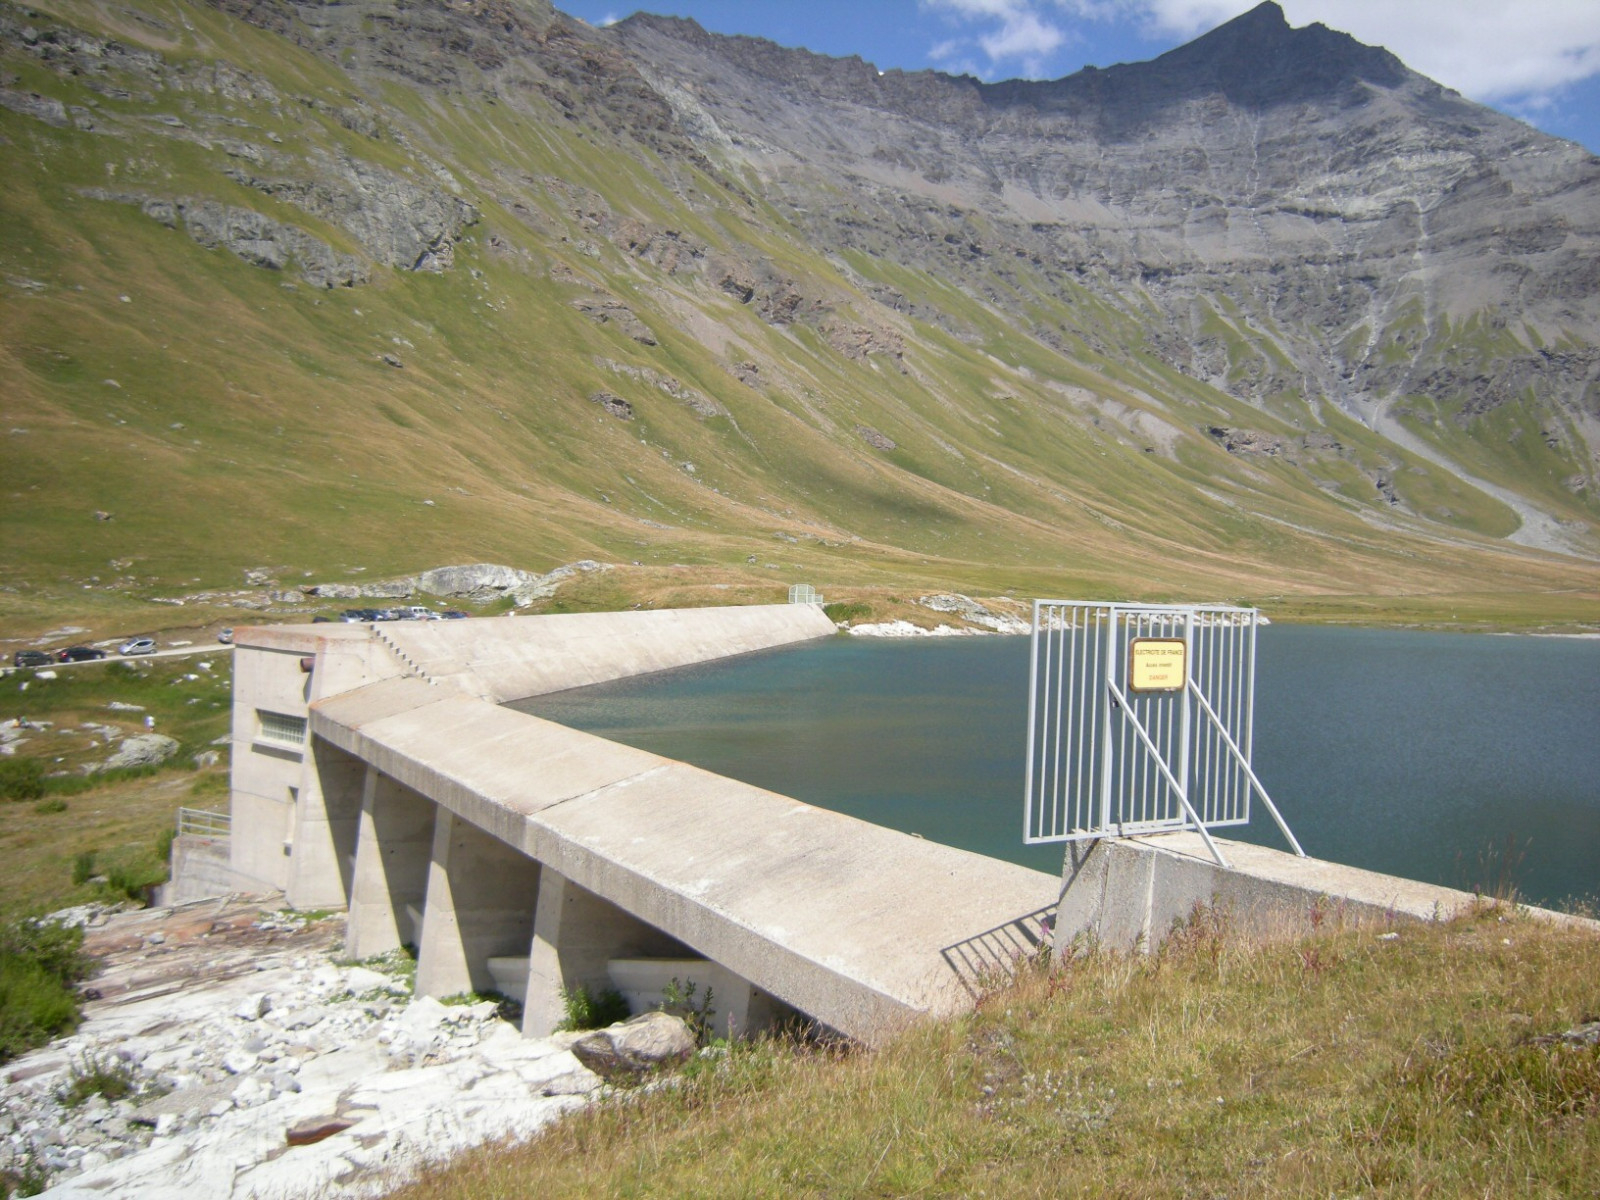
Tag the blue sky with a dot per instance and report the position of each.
(1535, 59)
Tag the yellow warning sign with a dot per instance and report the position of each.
(1157, 665)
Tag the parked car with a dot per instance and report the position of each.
(32, 658)
(225, 636)
(80, 654)
(453, 614)
(360, 616)
(138, 646)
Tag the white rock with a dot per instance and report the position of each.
(327, 979)
(254, 1006)
(359, 981)
(579, 1081)
(238, 1062)
(143, 749)
(304, 1018)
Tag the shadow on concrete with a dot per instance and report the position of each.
(991, 957)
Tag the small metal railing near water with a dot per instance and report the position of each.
(804, 593)
(1141, 720)
(197, 822)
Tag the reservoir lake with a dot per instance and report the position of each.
(1460, 759)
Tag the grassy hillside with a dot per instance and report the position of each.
(176, 415)
(1424, 1059)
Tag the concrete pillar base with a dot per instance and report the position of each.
(575, 935)
(736, 1008)
(481, 895)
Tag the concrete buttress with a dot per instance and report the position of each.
(480, 901)
(327, 813)
(393, 852)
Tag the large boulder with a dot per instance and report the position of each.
(142, 750)
(466, 580)
(631, 1049)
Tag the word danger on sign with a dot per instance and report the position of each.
(1158, 665)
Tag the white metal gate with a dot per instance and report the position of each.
(1140, 720)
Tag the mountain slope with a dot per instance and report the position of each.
(364, 288)
(1313, 223)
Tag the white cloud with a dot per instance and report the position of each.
(1023, 36)
(1488, 49)
(1014, 32)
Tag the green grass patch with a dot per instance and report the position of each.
(585, 1009)
(21, 779)
(98, 1075)
(40, 962)
(852, 610)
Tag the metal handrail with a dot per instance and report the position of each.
(199, 822)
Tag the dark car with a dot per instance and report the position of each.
(80, 654)
(453, 614)
(32, 658)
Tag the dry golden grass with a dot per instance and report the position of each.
(1344, 1063)
(120, 821)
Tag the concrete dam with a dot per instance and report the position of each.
(376, 770)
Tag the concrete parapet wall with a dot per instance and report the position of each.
(504, 659)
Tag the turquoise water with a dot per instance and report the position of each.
(1419, 754)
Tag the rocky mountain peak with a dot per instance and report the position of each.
(1256, 61)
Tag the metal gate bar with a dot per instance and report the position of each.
(1106, 759)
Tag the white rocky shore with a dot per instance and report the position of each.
(268, 1069)
(977, 620)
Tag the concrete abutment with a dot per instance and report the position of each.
(1128, 893)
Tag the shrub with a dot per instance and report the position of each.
(134, 876)
(680, 1002)
(592, 1010)
(96, 1076)
(852, 611)
(26, 1176)
(39, 963)
(83, 867)
(21, 779)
